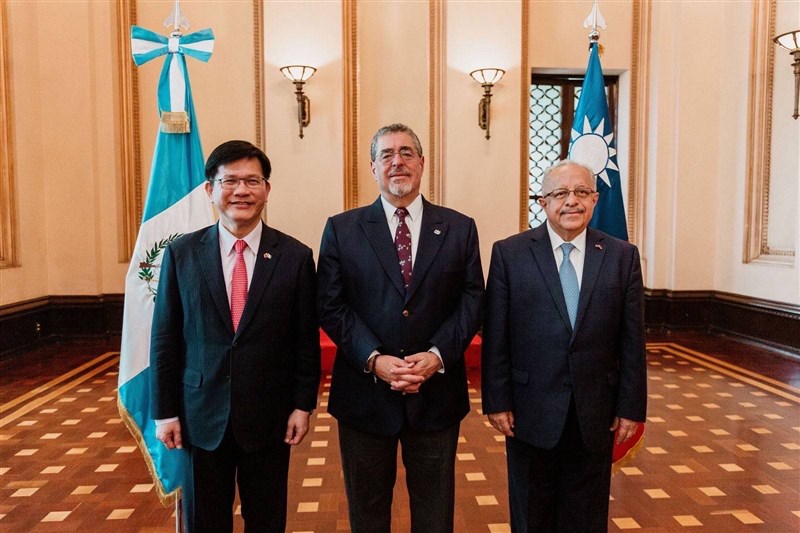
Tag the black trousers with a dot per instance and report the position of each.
(564, 489)
(262, 476)
(370, 469)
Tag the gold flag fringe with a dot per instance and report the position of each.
(628, 457)
(166, 498)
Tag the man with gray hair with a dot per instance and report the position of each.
(563, 362)
(400, 293)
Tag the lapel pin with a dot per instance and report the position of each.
(437, 232)
(267, 255)
(598, 246)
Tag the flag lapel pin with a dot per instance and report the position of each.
(437, 232)
(598, 246)
(267, 255)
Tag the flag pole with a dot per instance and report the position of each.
(178, 515)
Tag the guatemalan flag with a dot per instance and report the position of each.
(176, 203)
(592, 143)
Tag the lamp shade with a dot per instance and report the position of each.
(487, 76)
(789, 40)
(297, 73)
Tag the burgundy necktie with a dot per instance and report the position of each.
(402, 241)
(238, 284)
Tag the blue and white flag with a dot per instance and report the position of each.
(176, 203)
(593, 144)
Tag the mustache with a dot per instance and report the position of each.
(572, 211)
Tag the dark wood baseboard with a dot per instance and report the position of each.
(27, 324)
(767, 322)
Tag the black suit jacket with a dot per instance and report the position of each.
(208, 375)
(363, 306)
(533, 361)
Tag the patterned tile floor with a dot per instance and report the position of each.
(721, 454)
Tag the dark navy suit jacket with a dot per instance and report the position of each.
(363, 306)
(533, 361)
(208, 375)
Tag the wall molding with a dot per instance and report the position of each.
(640, 122)
(350, 108)
(258, 71)
(437, 51)
(25, 325)
(524, 119)
(759, 138)
(8, 198)
(774, 324)
(130, 175)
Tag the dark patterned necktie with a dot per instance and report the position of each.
(402, 242)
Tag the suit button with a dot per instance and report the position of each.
(406, 313)
(402, 351)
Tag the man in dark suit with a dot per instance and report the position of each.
(235, 350)
(563, 363)
(400, 293)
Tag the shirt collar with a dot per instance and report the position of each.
(555, 239)
(414, 208)
(227, 239)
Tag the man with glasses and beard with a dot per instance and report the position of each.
(400, 293)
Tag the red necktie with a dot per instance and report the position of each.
(238, 284)
(402, 241)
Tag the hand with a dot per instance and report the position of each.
(296, 427)
(625, 429)
(418, 368)
(503, 422)
(384, 368)
(170, 434)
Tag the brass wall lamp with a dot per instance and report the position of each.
(791, 41)
(487, 77)
(299, 74)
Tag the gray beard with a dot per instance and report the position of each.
(400, 190)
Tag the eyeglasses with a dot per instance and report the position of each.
(562, 194)
(232, 183)
(406, 154)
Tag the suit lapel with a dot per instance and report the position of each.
(267, 258)
(592, 261)
(380, 239)
(431, 236)
(211, 265)
(543, 254)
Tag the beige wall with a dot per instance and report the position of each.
(67, 138)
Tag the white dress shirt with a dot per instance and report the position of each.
(576, 256)
(414, 224)
(413, 221)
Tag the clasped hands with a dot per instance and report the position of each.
(407, 374)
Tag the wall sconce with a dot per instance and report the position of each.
(487, 77)
(791, 41)
(299, 74)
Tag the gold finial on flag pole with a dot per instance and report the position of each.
(596, 22)
(176, 19)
